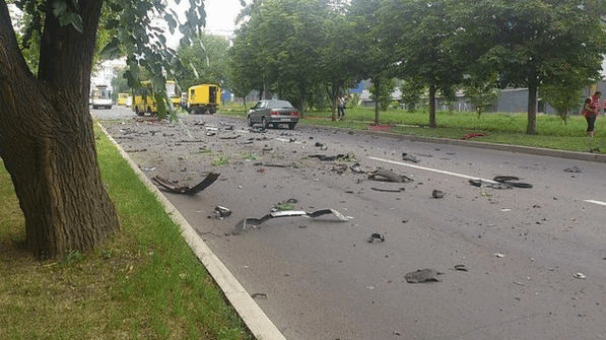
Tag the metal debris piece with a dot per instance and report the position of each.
(422, 275)
(437, 194)
(376, 236)
(410, 158)
(243, 224)
(174, 188)
(387, 190)
(221, 212)
(345, 157)
(499, 255)
(356, 168)
(229, 136)
(579, 276)
(485, 184)
(573, 169)
(473, 135)
(460, 267)
(388, 176)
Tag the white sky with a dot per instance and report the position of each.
(220, 16)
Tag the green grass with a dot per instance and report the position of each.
(500, 128)
(142, 283)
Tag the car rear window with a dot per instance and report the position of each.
(279, 104)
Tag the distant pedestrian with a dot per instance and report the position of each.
(341, 107)
(590, 113)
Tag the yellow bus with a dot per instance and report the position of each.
(122, 98)
(143, 99)
(203, 98)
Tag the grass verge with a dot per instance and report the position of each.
(142, 283)
(499, 128)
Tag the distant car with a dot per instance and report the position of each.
(273, 112)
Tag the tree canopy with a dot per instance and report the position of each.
(439, 44)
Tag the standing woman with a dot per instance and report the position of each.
(590, 113)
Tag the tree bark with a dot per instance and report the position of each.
(432, 106)
(531, 127)
(377, 84)
(47, 140)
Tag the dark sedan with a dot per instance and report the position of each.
(273, 112)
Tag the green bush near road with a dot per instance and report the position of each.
(142, 283)
(500, 128)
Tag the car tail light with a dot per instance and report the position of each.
(294, 113)
(275, 113)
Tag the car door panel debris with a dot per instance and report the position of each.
(410, 158)
(169, 186)
(502, 182)
(252, 221)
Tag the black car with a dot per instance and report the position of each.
(273, 112)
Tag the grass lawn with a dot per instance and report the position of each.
(142, 283)
(501, 128)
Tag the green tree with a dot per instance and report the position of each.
(382, 96)
(482, 92)
(372, 58)
(417, 33)
(525, 40)
(412, 90)
(46, 131)
(203, 62)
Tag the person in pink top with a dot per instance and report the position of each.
(591, 109)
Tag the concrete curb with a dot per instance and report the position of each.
(581, 156)
(252, 315)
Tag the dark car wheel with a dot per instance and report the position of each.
(291, 125)
(264, 123)
(139, 113)
(250, 123)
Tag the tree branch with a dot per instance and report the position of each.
(10, 56)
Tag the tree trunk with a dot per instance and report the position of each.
(432, 106)
(47, 141)
(531, 127)
(377, 83)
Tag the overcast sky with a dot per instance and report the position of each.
(220, 16)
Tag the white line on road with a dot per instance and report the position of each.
(444, 172)
(595, 202)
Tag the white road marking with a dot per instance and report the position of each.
(444, 172)
(595, 202)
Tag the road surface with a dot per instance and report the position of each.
(531, 262)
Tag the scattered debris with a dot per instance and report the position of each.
(324, 158)
(258, 296)
(376, 236)
(340, 168)
(356, 168)
(243, 224)
(174, 188)
(136, 150)
(387, 190)
(513, 181)
(388, 176)
(473, 135)
(460, 267)
(410, 158)
(221, 212)
(579, 276)
(437, 194)
(499, 255)
(234, 136)
(502, 182)
(422, 275)
(573, 169)
(518, 283)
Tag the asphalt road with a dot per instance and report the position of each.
(535, 258)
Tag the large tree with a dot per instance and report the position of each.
(46, 131)
(205, 61)
(417, 33)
